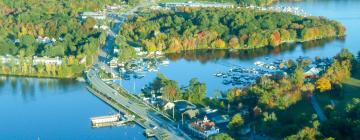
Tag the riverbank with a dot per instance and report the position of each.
(77, 78)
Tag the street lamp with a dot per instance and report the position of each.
(182, 118)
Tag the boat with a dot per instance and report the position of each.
(227, 82)
(259, 63)
(165, 62)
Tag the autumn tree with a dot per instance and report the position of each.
(323, 84)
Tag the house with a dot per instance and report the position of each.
(46, 60)
(95, 15)
(203, 128)
(7, 59)
(183, 105)
(113, 63)
(45, 40)
(113, 7)
(312, 72)
(195, 4)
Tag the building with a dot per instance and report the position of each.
(183, 105)
(113, 63)
(9, 59)
(95, 15)
(45, 40)
(35, 61)
(312, 72)
(203, 128)
(195, 5)
(46, 60)
(97, 121)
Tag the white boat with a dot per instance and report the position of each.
(259, 63)
(165, 62)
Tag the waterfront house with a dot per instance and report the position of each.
(203, 129)
(45, 40)
(196, 5)
(183, 105)
(8, 58)
(46, 60)
(113, 63)
(95, 15)
(312, 72)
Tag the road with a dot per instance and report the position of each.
(318, 109)
(151, 117)
(146, 113)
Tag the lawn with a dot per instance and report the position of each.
(351, 89)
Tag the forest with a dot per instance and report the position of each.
(240, 2)
(23, 22)
(216, 28)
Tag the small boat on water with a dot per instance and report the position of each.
(165, 62)
(259, 63)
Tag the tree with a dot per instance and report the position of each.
(299, 77)
(126, 53)
(344, 54)
(221, 136)
(235, 124)
(196, 92)
(170, 90)
(234, 42)
(323, 84)
(304, 134)
(89, 23)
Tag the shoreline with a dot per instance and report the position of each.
(79, 78)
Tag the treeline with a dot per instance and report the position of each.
(170, 90)
(70, 68)
(241, 2)
(23, 21)
(213, 28)
(339, 71)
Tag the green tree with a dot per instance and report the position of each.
(221, 136)
(235, 124)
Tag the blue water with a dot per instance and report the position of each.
(51, 109)
(56, 109)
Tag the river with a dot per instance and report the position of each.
(203, 64)
(34, 108)
(52, 109)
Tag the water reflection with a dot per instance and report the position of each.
(205, 56)
(28, 87)
(54, 109)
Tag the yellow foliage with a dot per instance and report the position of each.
(323, 84)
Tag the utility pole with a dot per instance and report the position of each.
(182, 118)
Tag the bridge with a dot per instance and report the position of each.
(144, 115)
(120, 99)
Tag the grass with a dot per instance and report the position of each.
(350, 90)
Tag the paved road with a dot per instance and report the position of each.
(163, 126)
(145, 112)
(318, 109)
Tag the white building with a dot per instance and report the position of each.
(95, 15)
(7, 59)
(113, 63)
(46, 60)
(203, 129)
(105, 119)
(196, 4)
